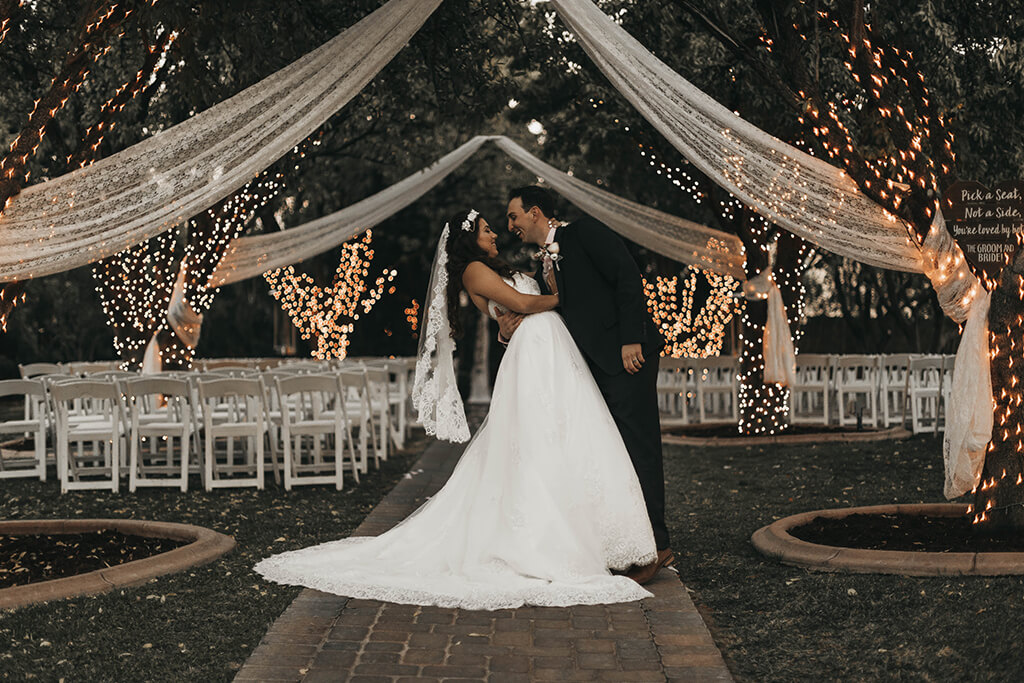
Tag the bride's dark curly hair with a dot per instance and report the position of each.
(462, 250)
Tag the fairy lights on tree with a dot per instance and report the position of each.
(102, 23)
(145, 79)
(210, 234)
(999, 499)
(688, 334)
(763, 408)
(412, 316)
(8, 8)
(327, 315)
(884, 128)
(134, 287)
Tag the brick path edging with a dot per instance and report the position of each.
(775, 542)
(205, 546)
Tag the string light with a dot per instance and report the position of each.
(328, 315)
(1006, 340)
(671, 305)
(5, 22)
(210, 234)
(412, 316)
(134, 288)
(92, 44)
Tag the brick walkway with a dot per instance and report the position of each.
(323, 637)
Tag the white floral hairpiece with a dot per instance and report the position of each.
(470, 222)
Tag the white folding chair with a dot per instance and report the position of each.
(718, 389)
(359, 409)
(892, 398)
(856, 380)
(677, 389)
(102, 426)
(36, 369)
(809, 396)
(160, 410)
(378, 380)
(924, 382)
(401, 374)
(313, 406)
(232, 408)
(18, 463)
(40, 371)
(83, 368)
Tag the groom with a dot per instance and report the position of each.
(602, 300)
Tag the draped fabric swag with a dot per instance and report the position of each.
(682, 240)
(131, 196)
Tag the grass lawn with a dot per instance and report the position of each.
(198, 625)
(779, 623)
(773, 623)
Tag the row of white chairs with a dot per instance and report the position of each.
(325, 419)
(844, 390)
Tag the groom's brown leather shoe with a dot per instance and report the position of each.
(647, 572)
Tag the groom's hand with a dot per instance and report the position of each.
(508, 323)
(632, 358)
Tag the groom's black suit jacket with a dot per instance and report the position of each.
(601, 294)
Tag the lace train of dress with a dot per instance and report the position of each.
(543, 501)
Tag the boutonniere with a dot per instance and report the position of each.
(552, 250)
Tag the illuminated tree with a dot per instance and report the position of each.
(881, 124)
(327, 315)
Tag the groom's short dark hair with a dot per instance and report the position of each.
(532, 196)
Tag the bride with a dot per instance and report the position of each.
(544, 500)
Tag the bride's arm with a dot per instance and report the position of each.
(480, 280)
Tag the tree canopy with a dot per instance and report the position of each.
(498, 66)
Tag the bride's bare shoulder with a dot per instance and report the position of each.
(476, 271)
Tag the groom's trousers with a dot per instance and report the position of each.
(633, 402)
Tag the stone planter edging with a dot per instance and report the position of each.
(775, 542)
(206, 545)
(792, 439)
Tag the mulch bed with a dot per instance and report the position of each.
(904, 532)
(30, 558)
(731, 431)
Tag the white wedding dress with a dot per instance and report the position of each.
(542, 503)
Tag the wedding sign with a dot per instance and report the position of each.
(987, 223)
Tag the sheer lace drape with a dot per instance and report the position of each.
(675, 237)
(790, 188)
(128, 197)
(251, 256)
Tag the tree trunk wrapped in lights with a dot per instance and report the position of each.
(8, 12)
(99, 24)
(764, 406)
(134, 285)
(209, 235)
(999, 499)
(899, 121)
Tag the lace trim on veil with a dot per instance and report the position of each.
(435, 394)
